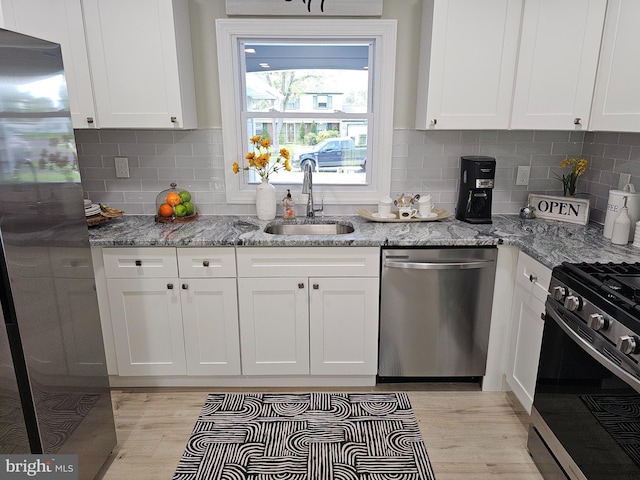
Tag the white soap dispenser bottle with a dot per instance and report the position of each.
(621, 226)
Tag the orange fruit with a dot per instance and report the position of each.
(173, 199)
(165, 210)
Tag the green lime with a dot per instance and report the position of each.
(185, 196)
(191, 208)
(180, 210)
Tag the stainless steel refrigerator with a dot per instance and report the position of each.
(54, 389)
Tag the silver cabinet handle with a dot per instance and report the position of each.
(301, 285)
(90, 120)
(440, 265)
(170, 286)
(577, 121)
(533, 278)
(316, 286)
(138, 263)
(205, 263)
(185, 286)
(174, 119)
(434, 121)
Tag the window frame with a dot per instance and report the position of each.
(229, 33)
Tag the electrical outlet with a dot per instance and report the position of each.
(523, 175)
(122, 167)
(625, 179)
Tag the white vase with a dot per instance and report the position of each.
(266, 200)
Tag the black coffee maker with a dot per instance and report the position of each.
(477, 176)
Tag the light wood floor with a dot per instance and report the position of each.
(469, 434)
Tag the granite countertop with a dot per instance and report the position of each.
(549, 242)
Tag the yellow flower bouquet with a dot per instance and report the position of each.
(569, 181)
(260, 158)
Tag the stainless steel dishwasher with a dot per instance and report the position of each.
(435, 311)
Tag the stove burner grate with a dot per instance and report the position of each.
(619, 282)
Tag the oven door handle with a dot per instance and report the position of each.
(588, 348)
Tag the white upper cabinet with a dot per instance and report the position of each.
(467, 63)
(59, 21)
(141, 63)
(557, 62)
(127, 64)
(616, 103)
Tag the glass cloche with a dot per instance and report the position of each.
(175, 205)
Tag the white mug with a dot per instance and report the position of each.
(384, 210)
(407, 212)
(426, 209)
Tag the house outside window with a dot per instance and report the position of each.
(275, 85)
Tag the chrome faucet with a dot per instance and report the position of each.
(307, 188)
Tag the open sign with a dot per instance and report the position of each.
(563, 209)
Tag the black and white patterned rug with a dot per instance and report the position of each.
(314, 436)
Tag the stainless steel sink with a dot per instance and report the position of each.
(308, 229)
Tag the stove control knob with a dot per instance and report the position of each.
(573, 303)
(629, 344)
(598, 322)
(559, 293)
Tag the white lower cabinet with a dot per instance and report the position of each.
(532, 283)
(308, 310)
(343, 323)
(147, 326)
(274, 326)
(210, 322)
(173, 321)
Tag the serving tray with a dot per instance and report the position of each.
(369, 215)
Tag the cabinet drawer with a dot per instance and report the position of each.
(308, 261)
(207, 262)
(533, 276)
(153, 262)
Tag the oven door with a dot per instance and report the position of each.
(586, 408)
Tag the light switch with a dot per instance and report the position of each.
(523, 175)
(122, 167)
(625, 179)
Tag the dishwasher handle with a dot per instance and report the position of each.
(446, 265)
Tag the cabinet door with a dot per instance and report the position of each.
(147, 326)
(343, 326)
(141, 63)
(274, 326)
(557, 65)
(616, 104)
(468, 61)
(59, 21)
(210, 320)
(524, 345)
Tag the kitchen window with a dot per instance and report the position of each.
(327, 97)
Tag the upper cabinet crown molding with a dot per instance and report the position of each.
(466, 72)
(616, 103)
(557, 65)
(128, 64)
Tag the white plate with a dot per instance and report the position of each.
(431, 215)
(377, 215)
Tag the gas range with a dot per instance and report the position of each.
(606, 297)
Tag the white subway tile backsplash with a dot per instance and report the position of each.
(422, 162)
(619, 152)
